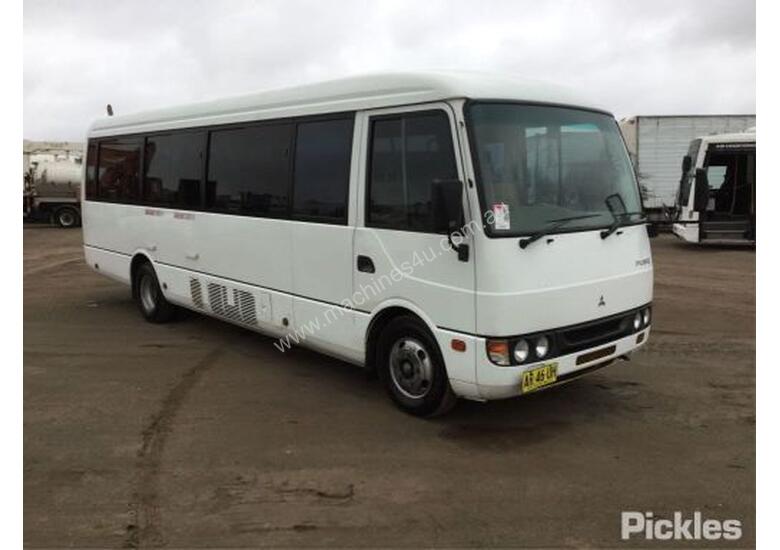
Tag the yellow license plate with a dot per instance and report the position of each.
(539, 377)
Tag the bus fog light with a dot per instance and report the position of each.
(521, 351)
(646, 317)
(498, 351)
(542, 346)
(637, 321)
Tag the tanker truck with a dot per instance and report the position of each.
(52, 191)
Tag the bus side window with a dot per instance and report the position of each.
(407, 154)
(119, 170)
(173, 170)
(323, 150)
(248, 171)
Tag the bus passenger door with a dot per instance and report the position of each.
(322, 229)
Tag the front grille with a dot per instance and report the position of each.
(594, 333)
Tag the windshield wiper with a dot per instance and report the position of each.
(620, 220)
(549, 229)
(617, 207)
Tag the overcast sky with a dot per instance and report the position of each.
(634, 57)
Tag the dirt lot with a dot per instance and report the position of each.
(199, 433)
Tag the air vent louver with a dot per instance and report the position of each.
(196, 293)
(230, 303)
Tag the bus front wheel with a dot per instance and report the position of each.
(412, 369)
(149, 297)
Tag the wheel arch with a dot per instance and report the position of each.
(139, 258)
(381, 316)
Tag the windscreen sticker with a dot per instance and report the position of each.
(501, 216)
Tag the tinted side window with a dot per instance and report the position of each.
(407, 155)
(323, 150)
(90, 190)
(249, 170)
(119, 170)
(173, 170)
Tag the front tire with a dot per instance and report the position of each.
(149, 297)
(412, 369)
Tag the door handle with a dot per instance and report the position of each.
(194, 256)
(365, 264)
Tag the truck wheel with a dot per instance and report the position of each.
(67, 217)
(149, 297)
(412, 369)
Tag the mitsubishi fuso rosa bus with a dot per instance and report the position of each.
(462, 235)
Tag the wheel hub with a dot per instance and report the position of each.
(410, 368)
(148, 292)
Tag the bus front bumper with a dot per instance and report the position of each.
(501, 382)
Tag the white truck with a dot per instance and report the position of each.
(657, 143)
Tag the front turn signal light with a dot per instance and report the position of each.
(498, 351)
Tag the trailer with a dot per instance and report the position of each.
(657, 143)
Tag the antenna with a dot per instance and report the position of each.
(110, 110)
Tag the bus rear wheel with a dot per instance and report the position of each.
(412, 370)
(149, 297)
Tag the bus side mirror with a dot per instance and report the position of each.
(701, 192)
(686, 164)
(447, 198)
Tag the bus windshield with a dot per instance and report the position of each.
(539, 164)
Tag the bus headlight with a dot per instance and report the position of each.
(637, 321)
(521, 351)
(646, 317)
(542, 346)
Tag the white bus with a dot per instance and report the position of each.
(716, 201)
(462, 235)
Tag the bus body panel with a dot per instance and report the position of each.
(574, 278)
(183, 246)
(111, 264)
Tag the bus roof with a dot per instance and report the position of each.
(346, 94)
